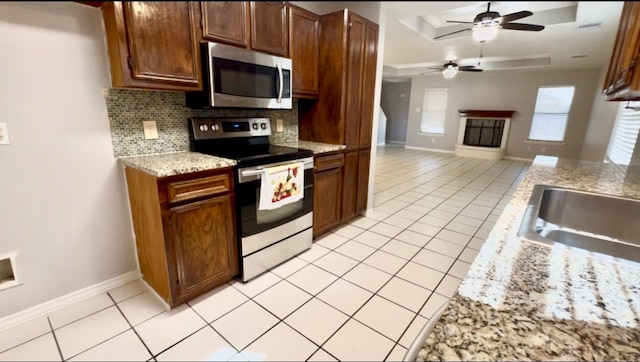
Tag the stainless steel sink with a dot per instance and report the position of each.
(600, 223)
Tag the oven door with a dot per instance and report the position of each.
(265, 227)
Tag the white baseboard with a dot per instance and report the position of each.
(428, 149)
(68, 299)
(509, 158)
(397, 142)
(381, 144)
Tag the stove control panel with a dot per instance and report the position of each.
(212, 128)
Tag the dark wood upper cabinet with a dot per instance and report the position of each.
(623, 78)
(153, 45)
(226, 22)
(269, 27)
(303, 51)
(368, 84)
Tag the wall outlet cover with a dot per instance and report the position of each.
(150, 130)
(279, 125)
(4, 134)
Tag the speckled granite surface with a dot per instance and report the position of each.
(525, 301)
(176, 163)
(316, 147)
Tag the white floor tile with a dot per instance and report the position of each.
(216, 303)
(433, 304)
(476, 243)
(257, 284)
(448, 286)
(453, 237)
(433, 221)
(281, 343)
(418, 274)
(24, 332)
(398, 221)
(444, 215)
(168, 328)
(42, 348)
(386, 229)
(397, 354)
(433, 260)
(385, 261)
(89, 331)
(317, 320)
(344, 296)
(409, 336)
(367, 277)
(204, 345)
(322, 356)
(348, 231)
(336, 263)
(413, 238)
(444, 247)
(316, 252)
(282, 298)
(355, 250)
(400, 248)
(128, 290)
(425, 229)
(468, 255)
(404, 293)
(377, 214)
(419, 209)
(248, 314)
(73, 312)
(363, 222)
(331, 240)
(357, 342)
(289, 267)
(468, 220)
(411, 215)
(461, 228)
(385, 317)
(123, 347)
(372, 239)
(459, 269)
(141, 307)
(312, 279)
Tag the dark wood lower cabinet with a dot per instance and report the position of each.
(327, 193)
(349, 186)
(185, 231)
(364, 157)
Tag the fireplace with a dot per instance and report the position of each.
(483, 133)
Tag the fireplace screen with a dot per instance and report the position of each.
(483, 132)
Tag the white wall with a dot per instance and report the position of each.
(506, 90)
(63, 204)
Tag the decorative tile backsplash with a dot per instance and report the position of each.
(128, 108)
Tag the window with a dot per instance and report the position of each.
(551, 113)
(624, 135)
(434, 105)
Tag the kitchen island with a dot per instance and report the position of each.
(521, 300)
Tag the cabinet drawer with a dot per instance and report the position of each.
(329, 162)
(206, 186)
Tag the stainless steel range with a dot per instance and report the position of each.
(267, 237)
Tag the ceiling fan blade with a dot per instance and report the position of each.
(519, 26)
(466, 67)
(455, 32)
(470, 69)
(460, 22)
(514, 16)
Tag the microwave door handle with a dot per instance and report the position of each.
(281, 77)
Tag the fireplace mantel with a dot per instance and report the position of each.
(487, 113)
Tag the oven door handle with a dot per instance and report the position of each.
(256, 173)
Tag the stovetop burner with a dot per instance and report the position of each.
(245, 140)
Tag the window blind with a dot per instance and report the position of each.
(434, 106)
(625, 134)
(551, 113)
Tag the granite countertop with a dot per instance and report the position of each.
(521, 300)
(316, 147)
(176, 163)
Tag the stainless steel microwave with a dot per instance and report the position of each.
(240, 78)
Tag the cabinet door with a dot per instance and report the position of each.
(163, 45)
(355, 66)
(368, 84)
(349, 186)
(303, 51)
(204, 242)
(623, 81)
(269, 30)
(226, 22)
(364, 157)
(327, 191)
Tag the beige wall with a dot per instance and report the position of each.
(63, 205)
(506, 90)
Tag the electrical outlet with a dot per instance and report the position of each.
(279, 125)
(150, 130)
(4, 134)
(543, 149)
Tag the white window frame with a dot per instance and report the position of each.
(566, 119)
(624, 137)
(433, 129)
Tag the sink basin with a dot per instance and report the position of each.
(596, 222)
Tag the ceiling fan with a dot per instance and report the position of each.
(450, 69)
(487, 24)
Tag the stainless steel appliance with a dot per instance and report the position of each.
(267, 237)
(236, 77)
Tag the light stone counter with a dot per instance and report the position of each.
(523, 301)
(316, 147)
(176, 163)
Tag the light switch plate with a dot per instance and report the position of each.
(4, 134)
(150, 130)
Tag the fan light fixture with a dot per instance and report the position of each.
(486, 30)
(450, 71)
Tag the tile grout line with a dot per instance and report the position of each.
(53, 332)
(131, 326)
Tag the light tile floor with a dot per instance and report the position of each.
(362, 292)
